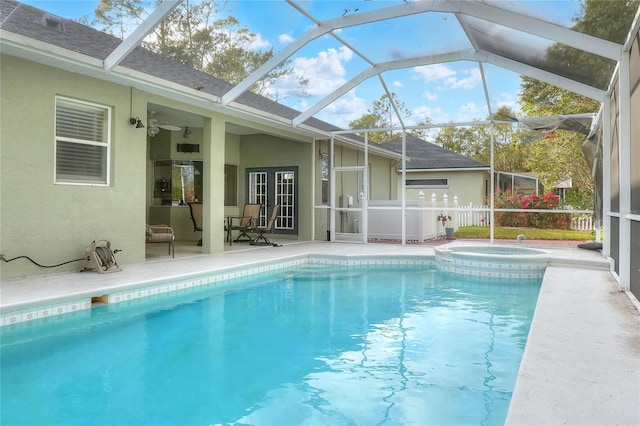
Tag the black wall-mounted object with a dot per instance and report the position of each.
(188, 147)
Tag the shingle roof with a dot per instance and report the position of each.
(426, 155)
(26, 21)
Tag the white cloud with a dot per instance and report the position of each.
(470, 111)
(344, 110)
(506, 99)
(285, 38)
(448, 78)
(431, 73)
(472, 80)
(429, 96)
(434, 115)
(259, 43)
(469, 107)
(397, 83)
(325, 73)
(512, 105)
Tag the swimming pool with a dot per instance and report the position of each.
(314, 344)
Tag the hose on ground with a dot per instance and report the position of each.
(38, 264)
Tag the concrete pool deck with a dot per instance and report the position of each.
(581, 365)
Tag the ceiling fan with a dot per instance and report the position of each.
(154, 125)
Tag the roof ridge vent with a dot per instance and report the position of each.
(52, 22)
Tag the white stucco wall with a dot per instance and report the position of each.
(54, 223)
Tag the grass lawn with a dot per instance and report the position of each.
(531, 233)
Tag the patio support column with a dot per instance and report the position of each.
(213, 186)
(624, 269)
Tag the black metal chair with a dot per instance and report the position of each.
(260, 239)
(248, 221)
(196, 217)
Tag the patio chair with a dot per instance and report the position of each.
(196, 217)
(161, 234)
(260, 239)
(248, 221)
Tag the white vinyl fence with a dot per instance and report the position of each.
(470, 215)
(384, 218)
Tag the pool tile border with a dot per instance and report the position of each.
(150, 289)
(72, 307)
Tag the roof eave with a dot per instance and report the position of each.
(51, 55)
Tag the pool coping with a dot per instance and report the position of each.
(569, 374)
(24, 309)
(581, 364)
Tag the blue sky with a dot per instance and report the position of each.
(441, 93)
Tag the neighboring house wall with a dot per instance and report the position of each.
(467, 185)
(383, 178)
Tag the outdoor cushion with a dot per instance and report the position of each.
(591, 245)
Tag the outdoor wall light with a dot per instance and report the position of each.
(187, 132)
(137, 122)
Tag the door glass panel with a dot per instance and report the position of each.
(258, 187)
(284, 192)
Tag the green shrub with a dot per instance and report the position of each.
(550, 201)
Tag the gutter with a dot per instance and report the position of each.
(450, 169)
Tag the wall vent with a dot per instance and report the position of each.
(52, 22)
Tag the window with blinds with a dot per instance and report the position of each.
(82, 142)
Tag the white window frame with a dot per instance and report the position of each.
(105, 143)
(410, 182)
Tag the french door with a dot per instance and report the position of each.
(271, 186)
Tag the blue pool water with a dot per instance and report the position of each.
(307, 346)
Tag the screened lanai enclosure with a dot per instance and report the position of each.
(332, 53)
